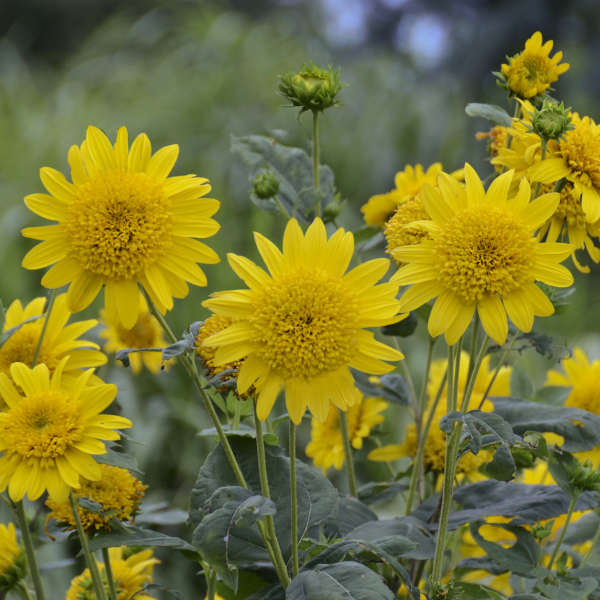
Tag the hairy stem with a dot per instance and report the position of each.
(112, 588)
(294, 501)
(270, 532)
(89, 557)
(49, 307)
(34, 569)
(563, 532)
(348, 454)
(315, 157)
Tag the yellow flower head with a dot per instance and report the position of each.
(435, 448)
(481, 255)
(577, 158)
(401, 229)
(60, 339)
(326, 446)
(131, 573)
(146, 333)
(122, 221)
(497, 138)
(408, 183)
(214, 324)
(583, 378)
(301, 326)
(13, 564)
(50, 431)
(117, 491)
(531, 72)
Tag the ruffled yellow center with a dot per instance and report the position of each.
(304, 324)
(484, 251)
(119, 224)
(20, 347)
(43, 426)
(581, 151)
(570, 209)
(214, 324)
(119, 493)
(141, 335)
(398, 229)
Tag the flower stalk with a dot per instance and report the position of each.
(36, 354)
(348, 454)
(34, 569)
(572, 503)
(294, 501)
(89, 556)
(112, 589)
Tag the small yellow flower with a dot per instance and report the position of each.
(481, 255)
(214, 324)
(326, 446)
(123, 221)
(131, 573)
(400, 229)
(302, 326)
(60, 339)
(531, 72)
(146, 333)
(408, 183)
(497, 137)
(435, 448)
(117, 491)
(51, 429)
(583, 377)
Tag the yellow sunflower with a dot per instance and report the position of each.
(122, 221)
(582, 377)
(577, 158)
(531, 72)
(403, 228)
(49, 433)
(60, 339)
(117, 491)
(132, 571)
(435, 448)
(408, 183)
(301, 326)
(481, 255)
(326, 446)
(146, 333)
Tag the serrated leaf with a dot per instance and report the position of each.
(391, 387)
(491, 112)
(346, 580)
(119, 459)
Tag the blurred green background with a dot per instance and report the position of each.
(195, 73)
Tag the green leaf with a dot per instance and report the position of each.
(491, 112)
(520, 558)
(579, 428)
(243, 431)
(351, 513)
(292, 167)
(343, 581)
(562, 588)
(502, 467)
(463, 590)
(317, 498)
(130, 535)
(552, 394)
(119, 459)
(521, 385)
(404, 328)
(391, 387)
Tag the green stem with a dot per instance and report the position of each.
(497, 369)
(50, 306)
(476, 364)
(348, 453)
(591, 549)
(537, 185)
(452, 444)
(447, 489)
(211, 584)
(190, 367)
(24, 591)
(112, 588)
(294, 501)
(89, 557)
(29, 550)
(411, 386)
(474, 340)
(270, 532)
(563, 532)
(315, 157)
(418, 466)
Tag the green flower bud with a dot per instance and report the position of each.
(265, 185)
(312, 88)
(585, 478)
(551, 121)
(13, 574)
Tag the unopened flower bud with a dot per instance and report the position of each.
(265, 185)
(312, 88)
(551, 121)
